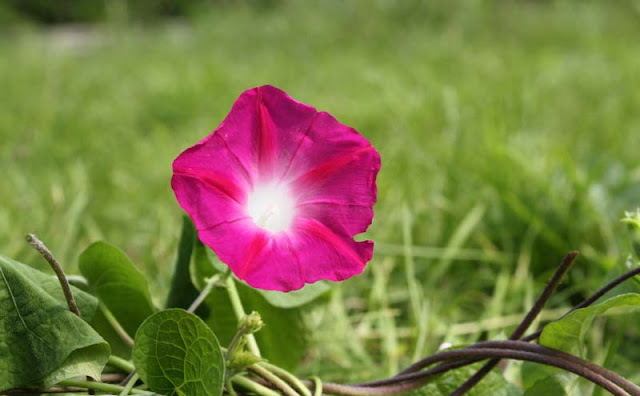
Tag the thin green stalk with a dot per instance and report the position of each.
(254, 387)
(274, 380)
(317, 386)
(229, 386)
(238, 310)
(99, 386)
(127, 388)
(120, 363)
(122, 333)
(287, 376)
(211, 282)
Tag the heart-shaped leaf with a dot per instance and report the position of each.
(118, 284)
(41, 341)
(176, 353)
(567, 334)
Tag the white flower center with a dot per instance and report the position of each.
(271, 207)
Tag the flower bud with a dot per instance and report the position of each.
(242, 360)
(252, 322)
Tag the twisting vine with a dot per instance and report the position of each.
(259, 377)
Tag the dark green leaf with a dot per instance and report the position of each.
(105, 329)
(531, 373)
(41, 341)
(118, 284)
(493, 384)
(182, 292)
(282, 341)
(202, 265)
(568, 333)
(87, 304)
(551, 385)
(175, 353)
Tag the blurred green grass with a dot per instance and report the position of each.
(509, 134)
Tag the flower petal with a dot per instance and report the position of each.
(327, 168)
(335, 171)
(310, 252)
(210, 183)
(264, 128)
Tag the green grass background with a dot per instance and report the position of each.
(509, 134)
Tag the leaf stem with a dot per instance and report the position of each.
(287, 376)
(127, 389)
(274, 380)
(211, 282)
(229, 386)
(252, 386)
(64, 283)
(120, 363)
(238, 310)
(317, 386)
(99, 386)
(117, 327)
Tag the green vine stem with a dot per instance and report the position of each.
(287, 376)
(211, 283)
(274, 380)
(129, 386)
(117, 327)
(229, 386)
(317, 386)
(99, 386)
(120, 363)
(253, 386)
(238, 310)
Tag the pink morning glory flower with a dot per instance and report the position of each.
(279, 190)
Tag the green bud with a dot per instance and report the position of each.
(242, 360)
(252, 322)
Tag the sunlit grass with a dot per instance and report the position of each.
(509, 135)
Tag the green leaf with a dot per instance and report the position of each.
(493, 384)
(183, 292)
(175, 353)
(531, 373)
(551, 385)
(283, 339)
(296, 298)
(202, 266)
(118, 347)
(49, 283)
(540, 379)
(118, 284)
(567, 334)
(41, 341)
